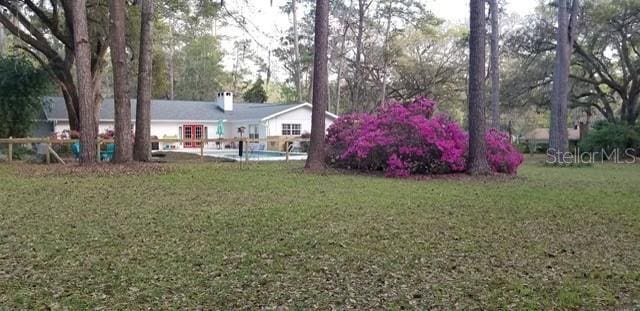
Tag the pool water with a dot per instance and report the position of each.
(258, 155)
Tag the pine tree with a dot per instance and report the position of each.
(88, 126)
(122, 103)
(316, 158)
(257, 93)
(142, 147)
(477, 162)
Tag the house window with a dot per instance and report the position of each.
(254, 131)
(289, 129)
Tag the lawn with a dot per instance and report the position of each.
(213, 236)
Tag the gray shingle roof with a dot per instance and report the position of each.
(162, 110)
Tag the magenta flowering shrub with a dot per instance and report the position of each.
(400, 139)
(342, 134)
(404, 139)
(502, 156)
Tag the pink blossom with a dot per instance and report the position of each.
(402, 139)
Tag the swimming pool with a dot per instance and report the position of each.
(256, 155)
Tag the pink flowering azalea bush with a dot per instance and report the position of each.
(502, 156)
(404, 139)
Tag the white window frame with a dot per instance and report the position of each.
(291, 129)
(255, 134)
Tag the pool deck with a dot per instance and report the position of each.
(232, 154)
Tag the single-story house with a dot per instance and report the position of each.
(541, 135)
(194, 120)
(538, 139)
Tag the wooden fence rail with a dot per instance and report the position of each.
(203, 142)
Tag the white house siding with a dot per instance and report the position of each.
(231, 128)
(158, 128)
(300, 116)
(172, 129)
(60, 126)
(269, 127)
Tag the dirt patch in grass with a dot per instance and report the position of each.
(99, 169)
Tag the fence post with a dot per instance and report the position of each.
(98, 143)
(48, 154)
(286, 146)
(202, 141)
(10, 158)
(246, 149)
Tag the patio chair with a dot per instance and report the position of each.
(107, 155)
(75, 151)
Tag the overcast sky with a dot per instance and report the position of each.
(266, 23)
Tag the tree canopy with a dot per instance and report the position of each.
(22, 85)
(605, 68)
(256, 94)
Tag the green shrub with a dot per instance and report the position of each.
(542, 148)
(22, 85)
(524, 148)
(22, 152)
(63, 150)
(610, 136)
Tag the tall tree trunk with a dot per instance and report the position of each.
(142, 149)
(85, 84)
(296, 52)
(385, 55)
(628, 109)
(632, 113)
(310, 89)
(97, 96)
(172, 53)
(122, 103)
(356, 93)
(340, 67)
(316, 158)
(495, 64)
(477, 162)
(2, 40)
(70, 95)
(341, 61)
(268, 80)
(558, 134)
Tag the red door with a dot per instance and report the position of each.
(193, 135)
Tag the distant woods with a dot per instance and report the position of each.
(378, 50)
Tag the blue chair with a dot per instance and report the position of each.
(75, 151)
(107, 155)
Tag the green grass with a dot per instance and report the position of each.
(213, 236)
